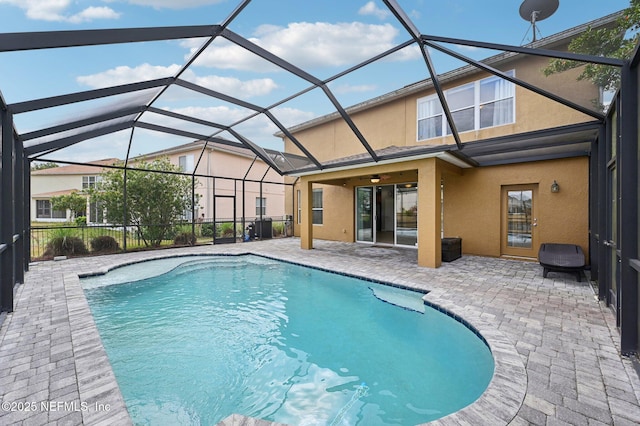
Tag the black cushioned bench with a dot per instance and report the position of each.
(561, 258)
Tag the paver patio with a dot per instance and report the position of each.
(555, 343)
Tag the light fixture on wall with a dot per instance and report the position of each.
(375, 179)
(555, 187)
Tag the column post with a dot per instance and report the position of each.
(429, 209)
(306, 227)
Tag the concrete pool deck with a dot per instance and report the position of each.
(556, 346)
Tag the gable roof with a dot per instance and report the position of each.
(90, 168)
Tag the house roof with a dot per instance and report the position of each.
(54, 193)
(550, 42)
(91, 168)
(286, 161)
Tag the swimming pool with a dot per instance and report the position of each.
(212, 336)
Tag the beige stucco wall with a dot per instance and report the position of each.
(224, 164)
(472, 197)
(339, 196)
(395, 122)
(43, 184)
(472, 203)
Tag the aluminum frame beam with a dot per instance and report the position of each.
(281, 63)
(517, 81)
(534, 51)
(13, 42)
(81, 123)
(54, 101)
(403, 18)
(627, 162)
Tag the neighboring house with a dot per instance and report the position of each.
(219, 172)
(64, 180)
(496, 193)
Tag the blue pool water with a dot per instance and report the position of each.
(220, 335)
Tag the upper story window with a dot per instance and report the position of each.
(185, 162)
(90, 181)
(484, 103)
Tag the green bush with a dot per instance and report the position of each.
(226, 230)
(207, 229)
(184, 239)
(81, 221)
(104, 244)
(278, 229)
(64, 242)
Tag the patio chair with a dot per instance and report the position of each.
(561, 258)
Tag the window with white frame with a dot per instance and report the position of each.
(44, 211)
(261, 206)
(317, 207)
(90, 181)
(484, 103)
(185, 162)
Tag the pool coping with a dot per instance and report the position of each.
(498, 404)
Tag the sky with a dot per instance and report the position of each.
(322, 37)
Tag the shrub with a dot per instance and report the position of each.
(226, 229)
(104, 244)
(81, 221)
(207, 229)
(184, 239)
(63, 242)
(278, 229)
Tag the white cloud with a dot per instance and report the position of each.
(234, 86)
(56, 11)
(94, 13)
(372, 9)
(306, 45)
(124, 75)
(227, 85)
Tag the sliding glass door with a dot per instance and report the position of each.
(364, 214)
(387, 214)
(407, 214)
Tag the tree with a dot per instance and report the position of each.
(74, 202)
(617, 41)
(155, 201)
(41, 166)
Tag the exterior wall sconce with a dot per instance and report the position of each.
(555, 187)
(375, 179)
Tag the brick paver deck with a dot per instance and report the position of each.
(555, 344)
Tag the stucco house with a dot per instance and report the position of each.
(64, 180)
(518, 177)
(226, 197)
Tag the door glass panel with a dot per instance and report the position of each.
(407, 214)
(519, 220)
(364, 214)
(385, 215)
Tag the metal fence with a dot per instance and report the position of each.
(50, 241)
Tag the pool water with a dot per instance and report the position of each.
(221, 335)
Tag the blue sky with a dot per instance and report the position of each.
(322, 37)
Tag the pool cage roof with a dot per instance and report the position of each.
(157, 106)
